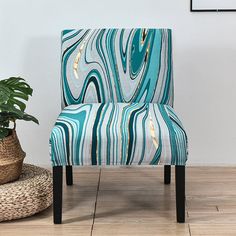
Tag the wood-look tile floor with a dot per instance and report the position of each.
(134, 201)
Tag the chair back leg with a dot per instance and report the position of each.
(167, 174)
(180, 193)
(57, 194)
(69, 175)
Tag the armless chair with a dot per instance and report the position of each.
(117, 106)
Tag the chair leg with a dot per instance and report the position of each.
(180, 193)
(57, 194)
(69, 175)
(167, 174)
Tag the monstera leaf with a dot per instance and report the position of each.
(13, 91)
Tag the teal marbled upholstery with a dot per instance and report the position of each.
(117, 99)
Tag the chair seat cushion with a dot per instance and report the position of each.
(118, 134)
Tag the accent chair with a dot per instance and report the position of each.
(117, 106)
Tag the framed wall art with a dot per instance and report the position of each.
(212, 5)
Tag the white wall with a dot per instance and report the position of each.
(204, 65)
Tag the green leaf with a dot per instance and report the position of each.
(28, 117)
(11, 114)
(13, 91)
(15, 102)
(4, 94)
(11, 111)
(3, 132)
(4, 120)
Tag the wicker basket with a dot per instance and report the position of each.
(11, 158)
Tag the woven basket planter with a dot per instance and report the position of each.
(11, 158)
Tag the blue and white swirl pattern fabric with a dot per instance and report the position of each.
(116, 65)
(118, 134)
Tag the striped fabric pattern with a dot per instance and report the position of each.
(116, 65)
(118, 134)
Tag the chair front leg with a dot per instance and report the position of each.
(69, 175)
(180, 193)
(167, 174)
(57, 194)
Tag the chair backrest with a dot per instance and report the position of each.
(116, 65)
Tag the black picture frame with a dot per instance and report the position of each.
(209, 10)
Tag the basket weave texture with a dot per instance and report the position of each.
(11, 158)
(30, 194)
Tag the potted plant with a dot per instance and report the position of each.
(13, 92)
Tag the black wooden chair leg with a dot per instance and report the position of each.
(180, 193)
(167, 174)
(69, 175)
(57, 194)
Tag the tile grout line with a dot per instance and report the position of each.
(189, 230)
(95, 206)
